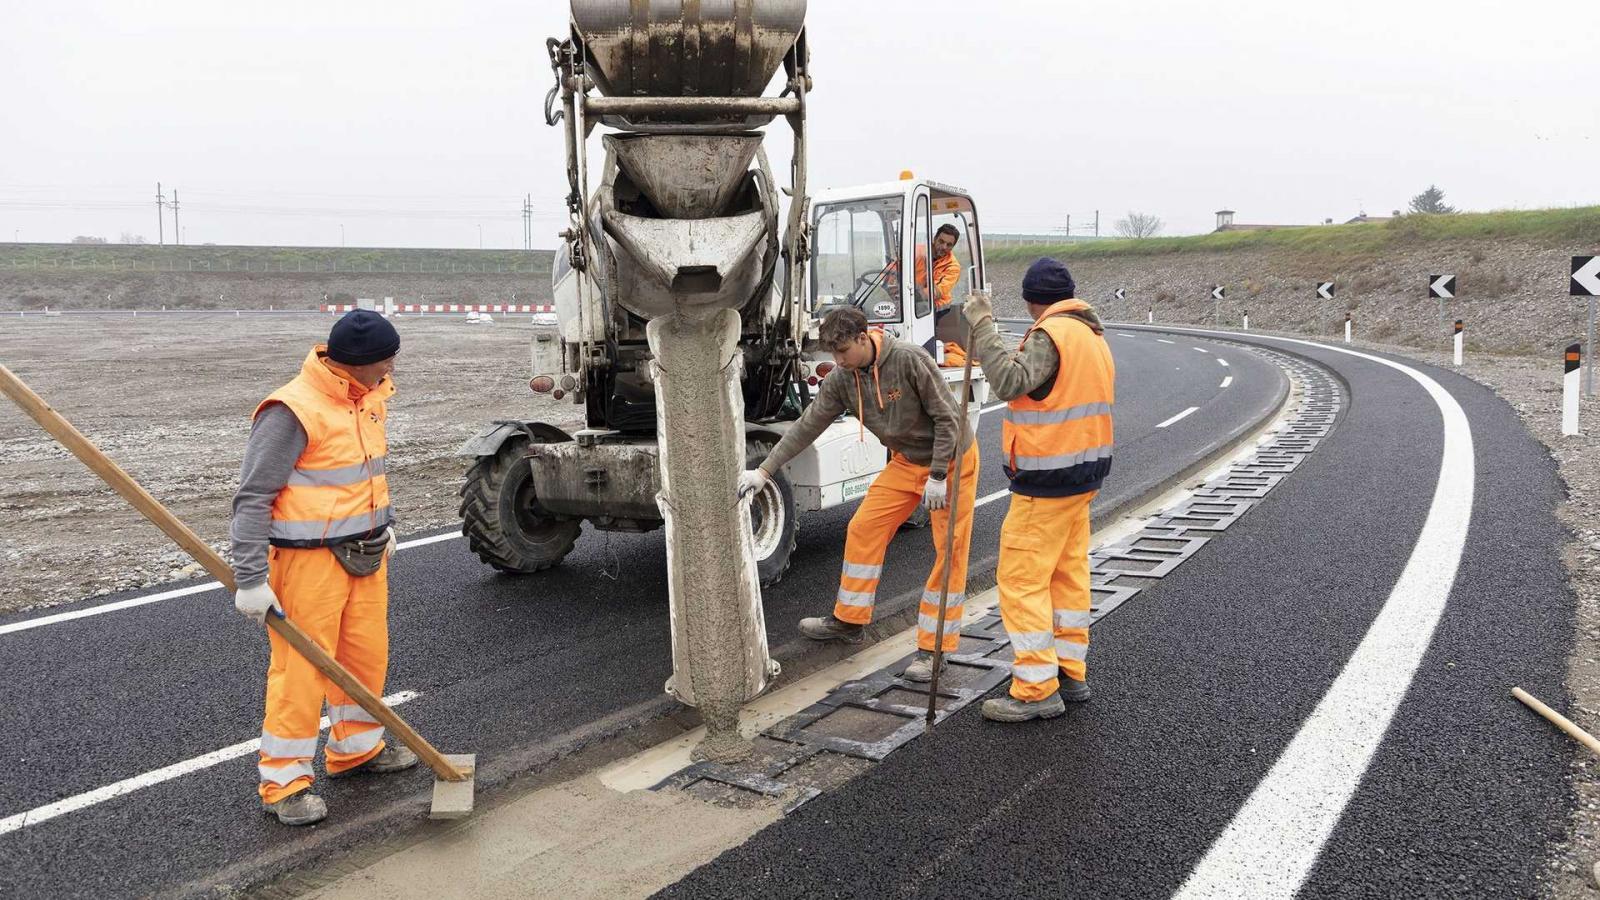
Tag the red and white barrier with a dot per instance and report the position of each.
(449, 308)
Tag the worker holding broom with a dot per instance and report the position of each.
(897, 393)
(312, 533)
(1056, 449)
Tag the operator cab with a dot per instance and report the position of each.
(859, 241)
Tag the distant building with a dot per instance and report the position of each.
(1225, 222)
(1363, 217)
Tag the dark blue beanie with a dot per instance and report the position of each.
(1047, 282)
(362, 337)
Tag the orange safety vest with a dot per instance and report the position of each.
(338, 490)
(946, 272)
(1061, 445)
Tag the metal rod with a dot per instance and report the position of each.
(691, 106)
(954, 508)
(1588, 350)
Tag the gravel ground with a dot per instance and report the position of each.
(170, 400)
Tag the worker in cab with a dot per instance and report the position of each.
(946, 274)
(1056, 449)
(312, 534)
(896, 392)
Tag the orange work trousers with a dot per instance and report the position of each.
(891, 499)
(1044, 590)
(348, 617)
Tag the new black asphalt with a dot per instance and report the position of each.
(1202, 680)
(513, 669)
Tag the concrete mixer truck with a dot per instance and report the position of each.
(687, 294)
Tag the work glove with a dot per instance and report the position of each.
(979, 306)
(934, 495)
(254, 602)
(752, 481)
(393, 544)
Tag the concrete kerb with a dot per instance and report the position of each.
(645, 725)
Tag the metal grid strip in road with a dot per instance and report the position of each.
(861, 722)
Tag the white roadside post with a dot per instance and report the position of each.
(1347, 328)
(1569, 391)
(1586, 283)
(1247, 320)
(1458, 343)
(1442, 288)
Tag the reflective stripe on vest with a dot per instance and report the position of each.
(339, 488)
(1062, 445)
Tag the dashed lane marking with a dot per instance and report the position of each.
(1200, 349)
(1221, 360)
(1178, 417)
(1164, 341)
(166, 773)
(1226, 381)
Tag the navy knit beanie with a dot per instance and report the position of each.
(1047, 282)
(362, 337)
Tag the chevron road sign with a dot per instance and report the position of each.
(1121, 293)
(1442, 286)
(1325, 290)
(1217, 292)
(1585, 276)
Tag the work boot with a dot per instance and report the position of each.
(1073, 690)
(392, 758)
(299, 808)
(828, 628)
(921, 668)
(1010, 709)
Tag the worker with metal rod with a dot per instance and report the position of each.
(1056, 449)
(312, 533)
(897, 393)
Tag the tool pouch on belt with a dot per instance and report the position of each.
(361, 558)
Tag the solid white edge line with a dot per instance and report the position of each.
(1226, 381)
(203, 587)
(1178, 416)
(1272, 843)
(156, 776)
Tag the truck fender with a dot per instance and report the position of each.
(488, 441)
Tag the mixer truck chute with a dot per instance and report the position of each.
(686, 299)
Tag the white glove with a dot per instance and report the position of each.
(978, 306)
(254, 602)
(394, 544)
(752, 481)
(934, 494)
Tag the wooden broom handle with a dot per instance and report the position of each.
(152, 509)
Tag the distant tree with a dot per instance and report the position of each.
(1431, 203)
(88, 239)
(1138, 225)
(129, 237)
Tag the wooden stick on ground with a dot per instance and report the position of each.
(1560, 721)
(953, 507)
(152, 509)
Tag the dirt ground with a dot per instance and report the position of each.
(170, 399)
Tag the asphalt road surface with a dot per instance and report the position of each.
(1238, 742)
(121, 732)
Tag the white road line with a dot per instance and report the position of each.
(1221, 360)
(191, 590)
(1178, 416)
(1226, 381)
(167, 773)
(1164, 341)
(1125, 334)
(990, 498)
(1269, 848)
(1201, 349)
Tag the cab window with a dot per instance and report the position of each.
(855, 250)
(923, 239)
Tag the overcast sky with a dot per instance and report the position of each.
(415, 124)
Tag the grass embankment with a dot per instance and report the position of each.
(1576, 224)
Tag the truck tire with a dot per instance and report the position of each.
(501, 518)
(772, 519)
